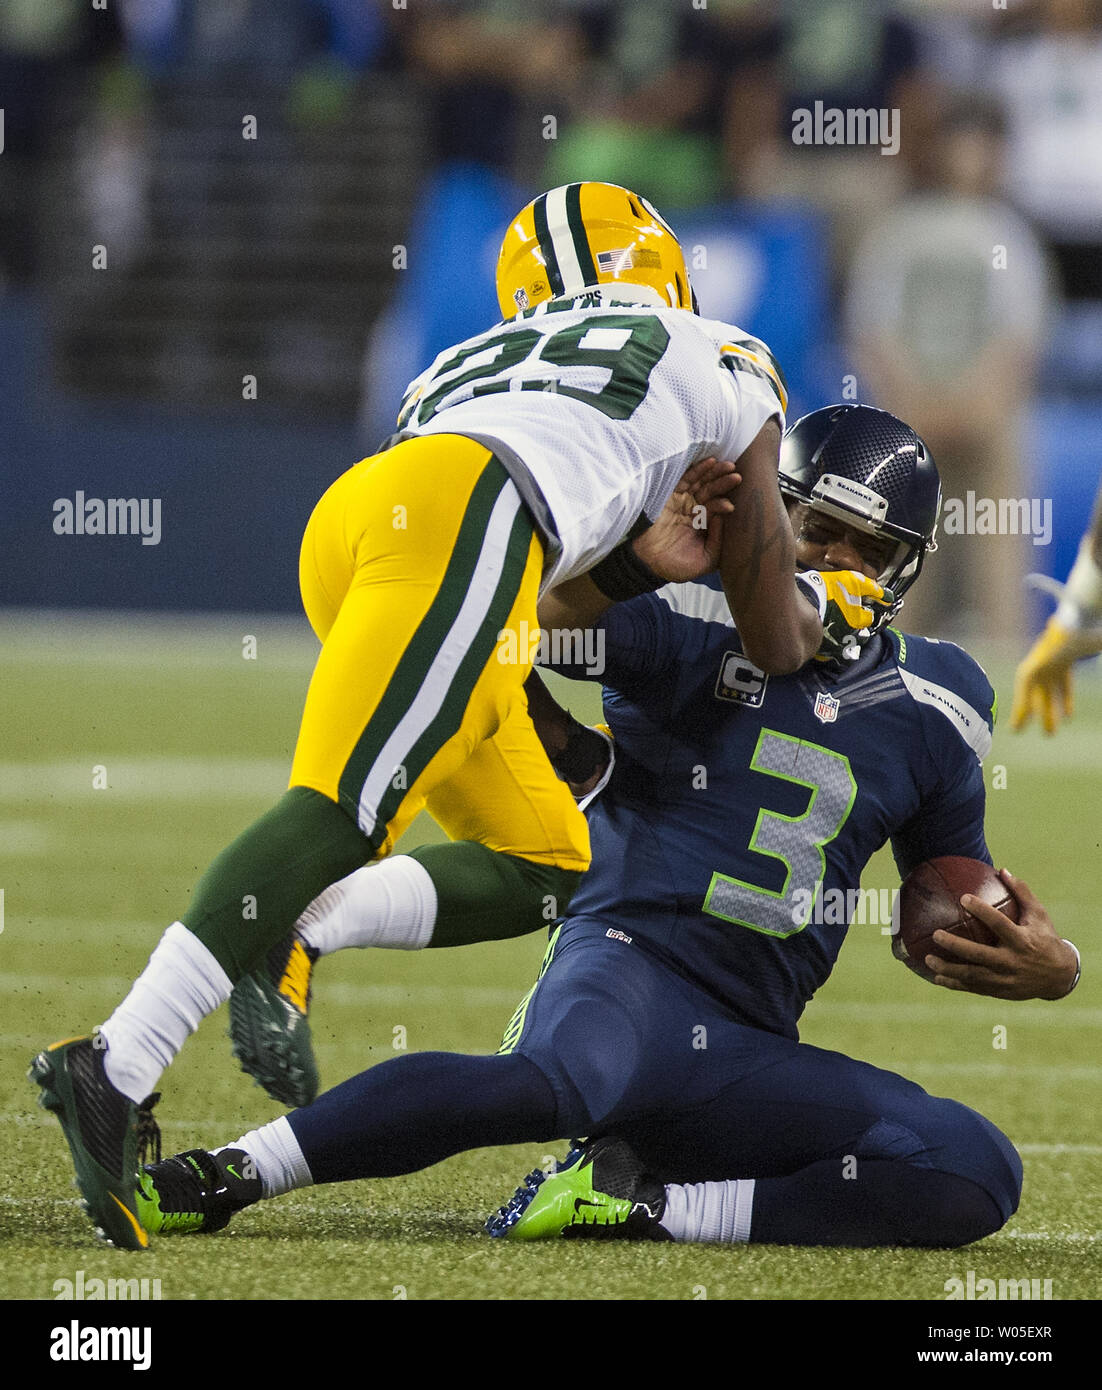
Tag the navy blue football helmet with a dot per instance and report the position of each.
(870, 470)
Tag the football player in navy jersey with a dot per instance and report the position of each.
(664, 1022)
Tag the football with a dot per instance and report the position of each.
(929, 901)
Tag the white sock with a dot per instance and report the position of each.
(391, 904)
(709, 1211)
(278, 1158)
(170, 998)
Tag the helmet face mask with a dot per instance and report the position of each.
(870, 471)
(591, 237)
(897, 552)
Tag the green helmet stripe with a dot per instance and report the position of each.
(578, 234)
(547, 246)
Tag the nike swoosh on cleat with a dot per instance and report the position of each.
(232, 1170)
(139, 1229)
(580, 1202)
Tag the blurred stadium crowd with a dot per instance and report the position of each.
(334, 246)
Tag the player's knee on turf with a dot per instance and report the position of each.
(952, 1210)
(976, 1195)
(1004, 1186)
(990, 1160)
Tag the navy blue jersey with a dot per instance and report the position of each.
(743, 808)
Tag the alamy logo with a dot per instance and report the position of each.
(1008, 516)
(830, 125)
(972, 1288)
(89, 1290)
(112, 516)
(556, 646)
(841, 907)
(76, 1343)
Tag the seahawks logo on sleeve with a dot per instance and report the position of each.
(943, 677)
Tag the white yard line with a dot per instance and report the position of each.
(346, 994)
(961, 1010)
(183, 778)
(162, 640)
(1068, 1237)
(51, 984)
(1010, 1070)
(19, 837)
(36, 1119)
(338, 994)
(1058, 1149)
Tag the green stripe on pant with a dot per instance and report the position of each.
(447, 722)
(423, 647)
(515, 1027)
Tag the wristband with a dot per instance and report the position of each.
(585, 751)
(813, 587)
(602, 731)
(1078, 966)
(621, 574)
(1081, 600)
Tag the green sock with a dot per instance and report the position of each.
(257, 888)
(484, 895)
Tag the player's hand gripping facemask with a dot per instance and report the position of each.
(850, 606)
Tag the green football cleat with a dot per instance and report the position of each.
(196, 1191)
(270, 1027)
(600, 1192)
(108, 1135)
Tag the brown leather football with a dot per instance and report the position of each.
(929, 901)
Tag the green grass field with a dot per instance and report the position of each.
(195, 741)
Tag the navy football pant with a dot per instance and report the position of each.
(611, 1041)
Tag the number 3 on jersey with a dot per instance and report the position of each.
(626, 346)
(797, 841)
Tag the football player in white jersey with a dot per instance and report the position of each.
(1042, 683)
(527, 458)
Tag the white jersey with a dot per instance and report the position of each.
(596, 408)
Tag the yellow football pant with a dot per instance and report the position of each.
(420, 570)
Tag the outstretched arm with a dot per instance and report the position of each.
(779, 628)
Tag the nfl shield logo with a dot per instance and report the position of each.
(826, 707)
